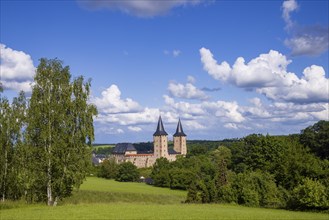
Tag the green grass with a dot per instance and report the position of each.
(107, 199)
(152, 211)
(103, 185)
(96, 190)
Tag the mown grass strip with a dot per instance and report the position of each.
(86, 196)
(104, 185)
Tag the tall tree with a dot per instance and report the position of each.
(60, 129)
(12, 118)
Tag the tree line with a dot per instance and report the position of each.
(46, 139)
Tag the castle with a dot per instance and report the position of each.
(124, 152)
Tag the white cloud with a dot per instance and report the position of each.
(111, 102)
(313, 87)
(268, 75)
(259, 72)
(191, 79)
(234, 126)
(184, 107)
(322, 114)
(16, 69)
(257, 110)
(140, 8)
(176, 53)
(109, 130)
(225, 111)
(311, 40)
(228, 111)
(284, 112)
(144, 116)
(17, 86)
(194, 125)
(187, 91)
(134, 128)
(288, 7)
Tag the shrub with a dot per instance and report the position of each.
(108, 169)
(127, 172)
(180, 178)
(257, 189)
(310, 194)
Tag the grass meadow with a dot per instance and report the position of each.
(107, 199)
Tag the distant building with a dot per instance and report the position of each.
(98, 158)
(124, 152)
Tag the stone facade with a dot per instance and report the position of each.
(124, 152)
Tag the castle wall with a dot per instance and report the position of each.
(141, 161)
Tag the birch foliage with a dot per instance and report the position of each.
(60, 130)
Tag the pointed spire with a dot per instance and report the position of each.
(179, 130)
(160, 129)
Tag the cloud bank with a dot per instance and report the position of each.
(267, 74)
(16, 69)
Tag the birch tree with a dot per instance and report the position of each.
(60, 129)
(12, 117)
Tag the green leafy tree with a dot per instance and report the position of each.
(316, 137)
(297, 163)
(180, 178)
(127, 172)
(12, 118)
(60, 130)
(160, 172)
(257, 189)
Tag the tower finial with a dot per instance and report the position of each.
(160, 129)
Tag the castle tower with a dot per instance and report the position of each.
(180, 139)
(160, 141)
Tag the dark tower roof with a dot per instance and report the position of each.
(179, 130)
(160, 129)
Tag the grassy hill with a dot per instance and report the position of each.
(96, 190)
(107, 199)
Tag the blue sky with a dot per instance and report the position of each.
(226, 68)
